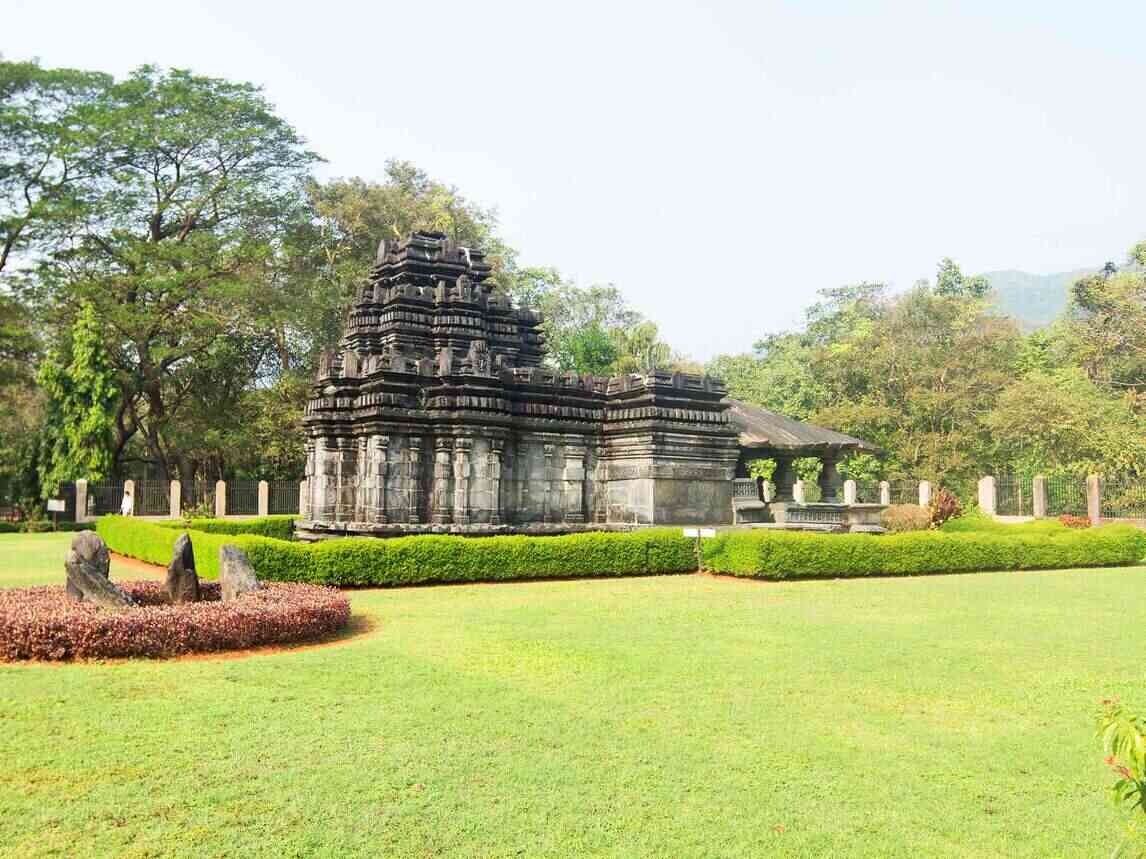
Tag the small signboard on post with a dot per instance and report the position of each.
(708, 532)
(57, 505)
(692, 532)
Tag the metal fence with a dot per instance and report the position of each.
(1123, 497)
(242, 497)
(1014, 496)
(1066, 495)
(196, 494)
(904, 490)
(152, 498)
(283, 497)
(867, 491)
(104, 498)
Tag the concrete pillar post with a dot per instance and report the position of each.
(925, 493)
(220, 499)
(176, 491)
(884, 493)
(264, 498)
(799, 495)
(82, 501)
(988, 495)
(129, 489)
(1039, 496)
(850, 493)
(1094, 499)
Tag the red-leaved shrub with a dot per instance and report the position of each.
(1074, 521)
(945, 505)
(905, 517)
(42, 623)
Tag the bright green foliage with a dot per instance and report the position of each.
(950, 282)
(1123, 736)
(278, 527)
(861, 466)
(793, 554)
(761, 468)
(82, 397)
(413, 560)
(591, 350)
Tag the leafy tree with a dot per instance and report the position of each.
(82, 394)
(952, 283)
(591, 350)
(640, 349)
(51, 150)
(1106, 327)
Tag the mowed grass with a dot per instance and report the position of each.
(681, 716)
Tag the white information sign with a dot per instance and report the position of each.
(708, 532)
(691, 532)
(57, 505)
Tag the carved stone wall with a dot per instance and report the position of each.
(434, 414)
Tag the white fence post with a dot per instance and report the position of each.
(799, 495)
(129, 489)
(1039, 496)
(850, 493)
(176, 499)
(264, 498)
(925, 493)
(884, 493)
(988, 495)
(1094, 499)
(82, 501)
(220, 499)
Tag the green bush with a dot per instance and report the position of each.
(367, 561)
(794, 554)
(278, 527)
(40, 526)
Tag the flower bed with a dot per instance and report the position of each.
(42, 623)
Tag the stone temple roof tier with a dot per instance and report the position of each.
(760, 428)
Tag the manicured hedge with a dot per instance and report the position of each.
(415, 560)
(794, 554)
(279, 527)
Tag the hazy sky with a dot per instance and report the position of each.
(719, 162)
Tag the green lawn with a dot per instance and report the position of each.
(671, 716)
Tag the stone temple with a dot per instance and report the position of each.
(434, 414)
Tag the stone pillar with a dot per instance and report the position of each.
(785, 478)
(176, 491)
(304, 499)
(347, 505)
(82, 501)
(1094, 499)
(884, 493)
(988, 497)
(264, 498)
(830, 481)
(220, 499)
(379, 470)
(462, 449)
(573, 479)
(440, 500)
(798, 493)
(547, 513)
(768, 492)
(925, 493)
(413, 480)
(1039, 496)
(363, 478)
(494, 465)
(325, 492)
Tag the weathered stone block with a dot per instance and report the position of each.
(182, 580)
(88, 564)
(236, 575)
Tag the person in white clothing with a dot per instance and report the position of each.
(127, 506)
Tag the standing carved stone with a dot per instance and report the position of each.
(494, 478)
(236, 575)
(414, 479)
(573, 477)
(379, 466)
(182, 581)
(88, 565)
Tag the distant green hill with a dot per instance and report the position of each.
(1033, 299)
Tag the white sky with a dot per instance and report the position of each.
(719, 162)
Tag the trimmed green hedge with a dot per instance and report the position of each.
(794, 554)
(414, 560)
(278, 527)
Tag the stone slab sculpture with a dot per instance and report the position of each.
(88, 564)
(182, 580)
(236, 575)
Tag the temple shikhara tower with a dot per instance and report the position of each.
(436, 414)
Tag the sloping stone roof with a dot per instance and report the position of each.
(759, 427)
